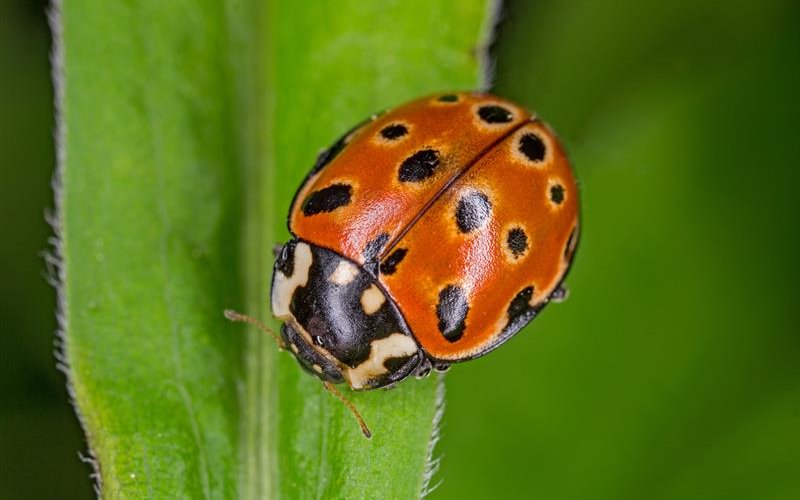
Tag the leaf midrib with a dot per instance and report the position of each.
(250, 60)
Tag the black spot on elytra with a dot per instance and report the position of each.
(517, 241)
(520, 304)
(493, 113)
(394, 131)
(557, 194)
(448, 98)
(419, 166)
(532, 147)
(452, 312)
(374, 247)
(472, 211)
(285, 262)
(327, 199)
(389, 264)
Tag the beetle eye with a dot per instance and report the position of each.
(317, 340)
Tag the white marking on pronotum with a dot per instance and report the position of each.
(285, 286)
(372, 299)
(344, 273)
(395, 345)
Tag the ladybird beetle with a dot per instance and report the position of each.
(427, 235)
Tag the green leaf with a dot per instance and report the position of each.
(185, 127)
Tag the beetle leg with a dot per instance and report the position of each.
(350, 406)
(423, 369)
(560, 294)
(441, 367)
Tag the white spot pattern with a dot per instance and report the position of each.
(372, 299)
(344, 273)
(395, 345)
(284, 286)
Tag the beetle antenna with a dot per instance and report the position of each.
(243, 318)
(333, 390)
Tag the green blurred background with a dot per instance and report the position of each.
(673, 371)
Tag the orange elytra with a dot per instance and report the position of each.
(427, 235)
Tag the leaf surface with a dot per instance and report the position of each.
(185, 128)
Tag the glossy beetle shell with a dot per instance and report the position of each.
(460, 210)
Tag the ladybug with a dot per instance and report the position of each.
(427, 235)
